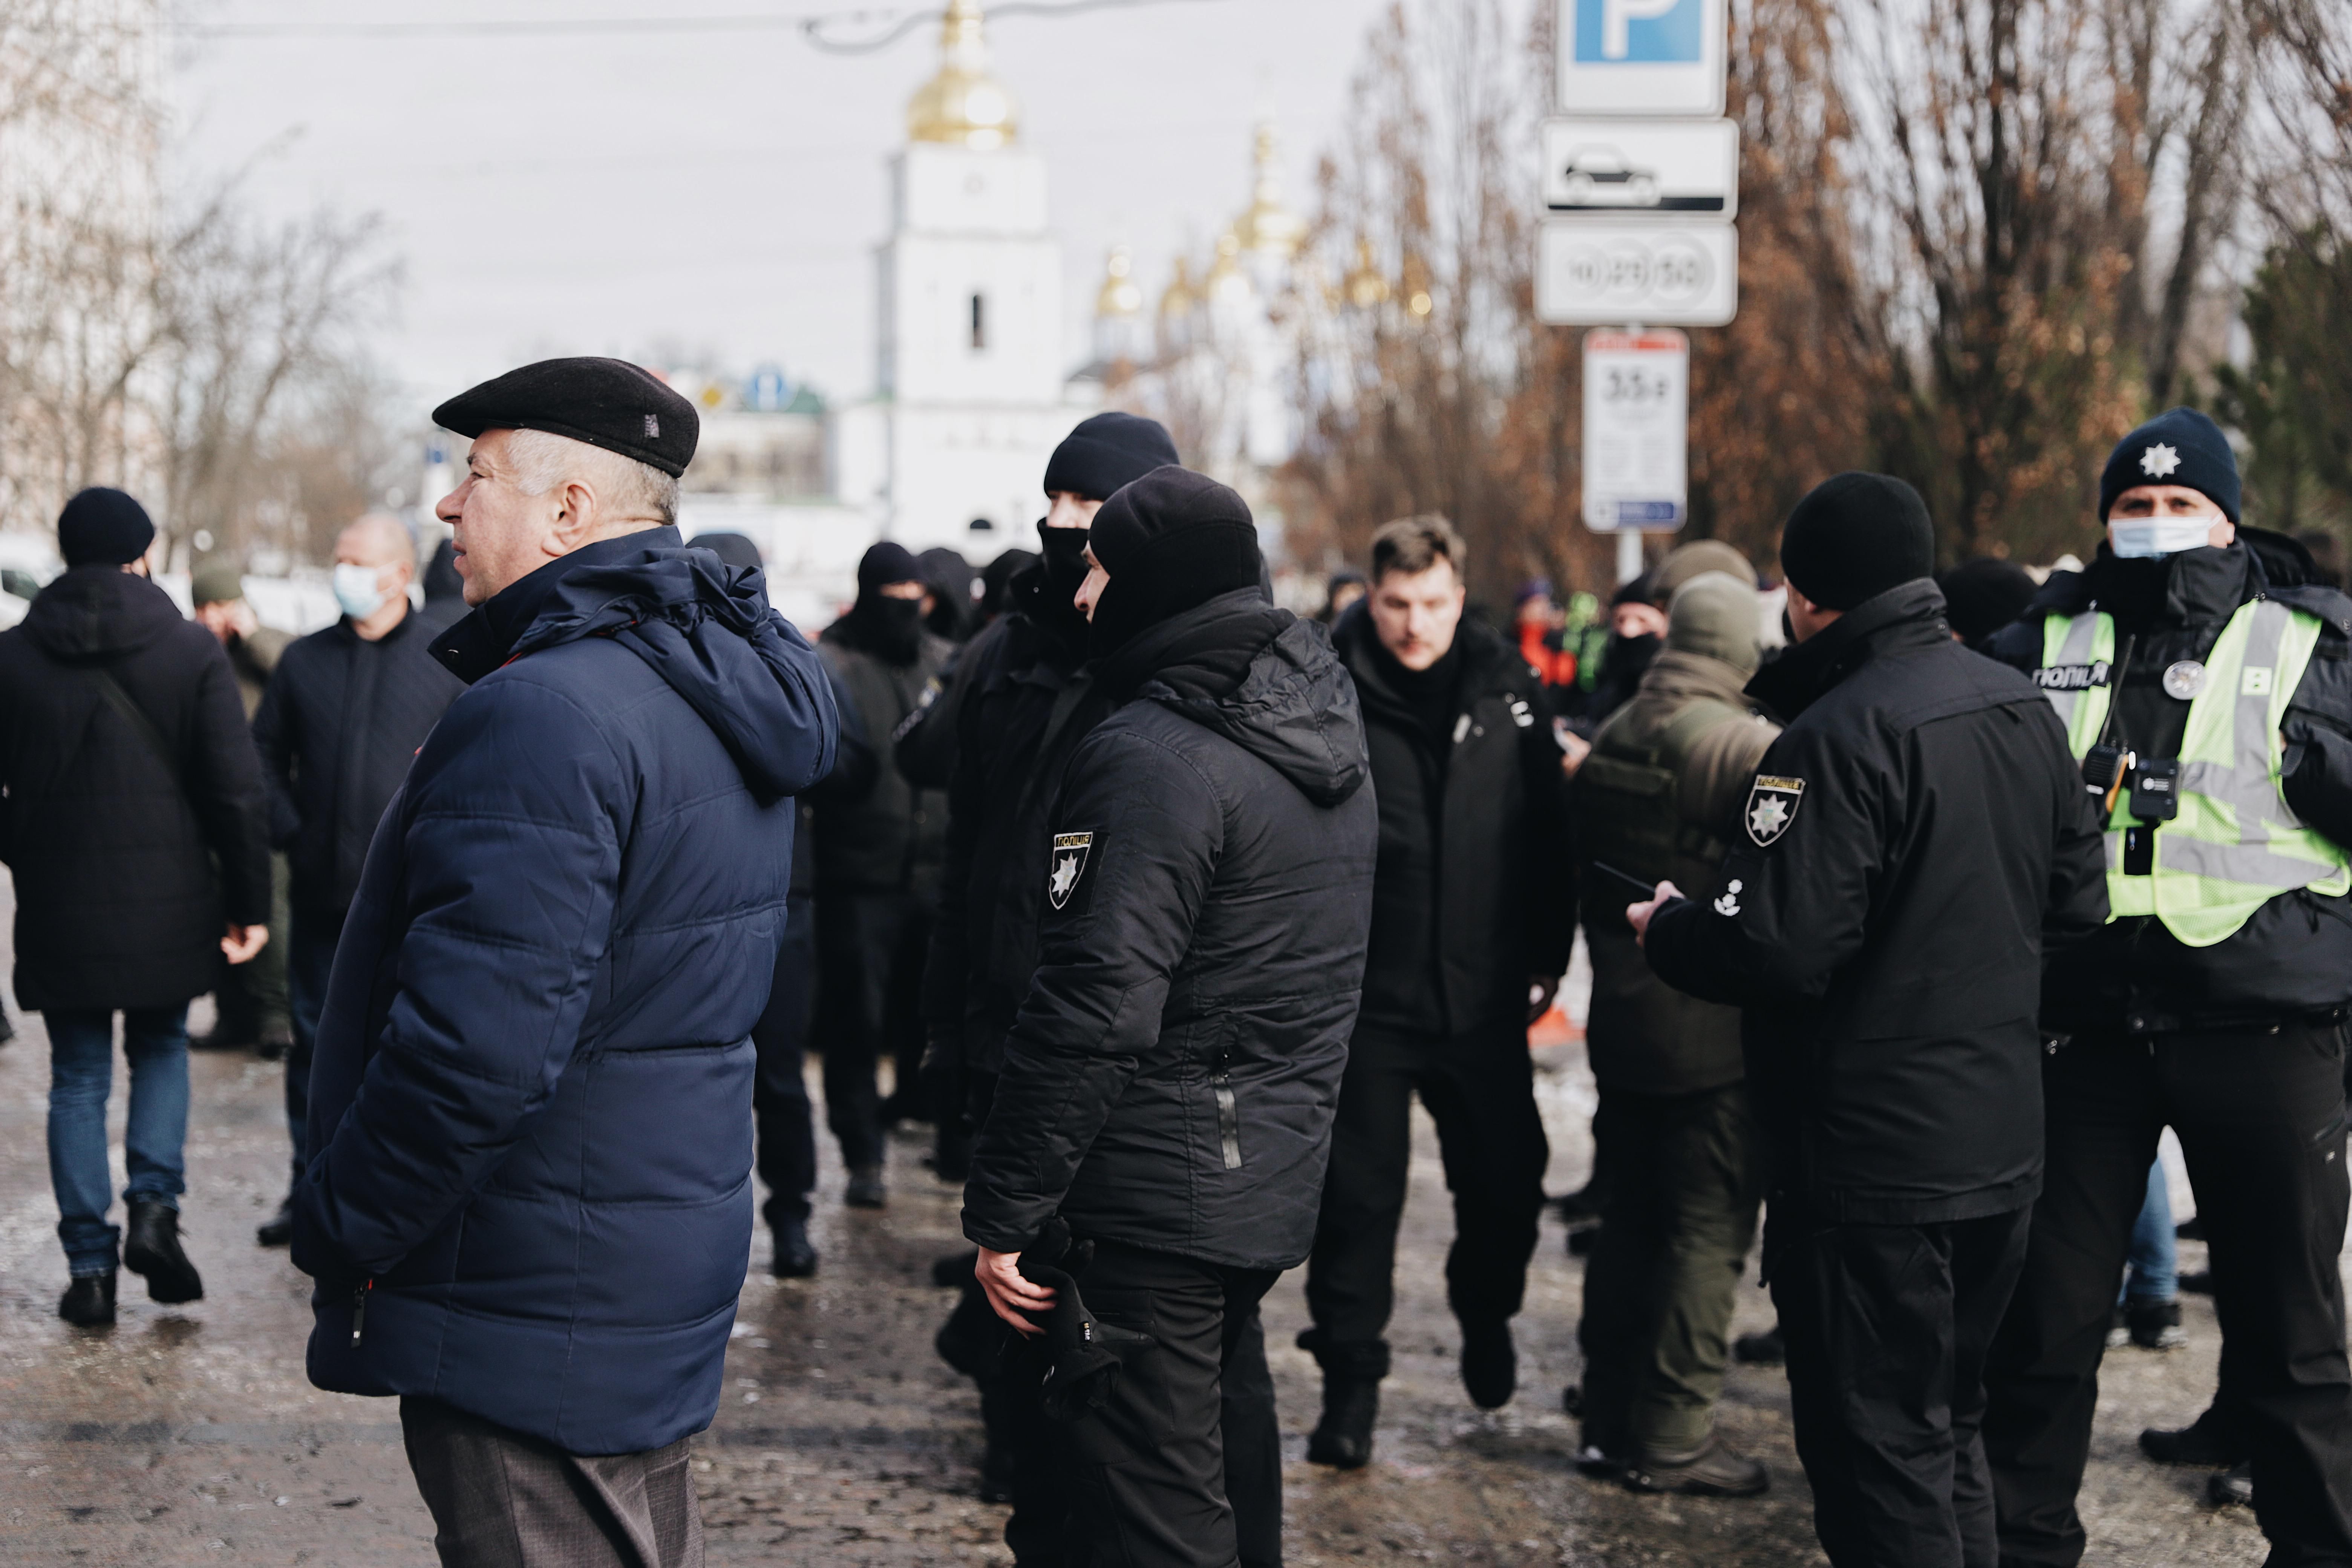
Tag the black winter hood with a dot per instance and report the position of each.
(706, 628)
(94, 612)
(1263, 679)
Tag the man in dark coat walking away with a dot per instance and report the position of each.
(2197, 663)
(877, 869)
(252, 1010)
(135, 825)
(1916, 840)
(345, 713)
(1660, 799)
(996, 738)
(529, 1197)
(1164, 1118)
(1474, 912)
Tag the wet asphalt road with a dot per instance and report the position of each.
(189, 1435)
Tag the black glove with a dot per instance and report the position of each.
(1085, 1352)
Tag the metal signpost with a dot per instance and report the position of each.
(1640, 186)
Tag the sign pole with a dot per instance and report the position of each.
(1629, 556)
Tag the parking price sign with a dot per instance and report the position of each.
(1636, 431)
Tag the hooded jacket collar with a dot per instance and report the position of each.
(1678, 675)
(97, 613)
(1261, 677)
(1906, 620)
(706, 628)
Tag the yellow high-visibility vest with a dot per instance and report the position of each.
(2236, 843)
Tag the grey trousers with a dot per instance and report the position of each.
(503, 1499)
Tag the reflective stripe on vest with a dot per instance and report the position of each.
(2236, 843)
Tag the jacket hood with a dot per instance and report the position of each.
(1678, 675)
(706, 628)
(1263, 679)
(97, 613)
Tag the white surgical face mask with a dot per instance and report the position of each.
(356, 591)
(2137, 537)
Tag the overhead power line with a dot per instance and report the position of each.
(823, 29)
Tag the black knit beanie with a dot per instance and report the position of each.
(1983, 595)
(1106, 452)
(103, 528)
(1171, 541)
(886, 563)
(1855, 536)
(2178, 447)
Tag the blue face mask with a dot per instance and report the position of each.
(2138, 538)
(356, 594)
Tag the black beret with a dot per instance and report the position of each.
(1853, 537)
(2178, 447)
(607, 402)
(102, 527)
(1106, 452)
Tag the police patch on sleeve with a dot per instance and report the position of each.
(1771, 805)
(1070, 852)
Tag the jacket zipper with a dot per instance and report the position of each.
(1229, 1116)
(359, 1309)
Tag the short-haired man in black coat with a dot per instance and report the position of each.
(1474, 912)
(1168, 1085)
(1915, 839)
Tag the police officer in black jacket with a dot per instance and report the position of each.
(1168, 1085)
(2199, 669)
(1474, 912)
(1913, 839)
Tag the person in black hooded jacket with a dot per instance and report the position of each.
(877, 867)
(1168, 1085)
(132, 816)
(2200, 649)
(1474, 912)
(1916, 839)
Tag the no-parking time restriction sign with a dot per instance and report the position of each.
(1637, 430)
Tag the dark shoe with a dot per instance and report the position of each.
(2234, 1485)
(795, 1258)
(2190, 1229)
(2153, 1325)
(1767, 1348)
(278, 1230)
(88, 1300)
(1714, 1469)
(1490, 1363)
(865, 1189)
(276, 1039)
(1582, 1241)
(2202, 1442)
(1602, 1461)
(152, 1248)
(1343, 1438)
(2198, 1282)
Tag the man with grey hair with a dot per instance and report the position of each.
(344, 711)
(527, 1198)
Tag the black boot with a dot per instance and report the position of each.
(2209, 1441)
(1714, 1469)
(1490, 1363)
(865, 1189)
(278, 1230)
(152, 1249)
(794, 1258)
(88, 1300)
(2233, 1487)
(1343, 1438)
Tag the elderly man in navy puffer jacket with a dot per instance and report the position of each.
(528, 1196)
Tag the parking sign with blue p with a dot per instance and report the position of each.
(1642, 57)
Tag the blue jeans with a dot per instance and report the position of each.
(81, 1072)
(2152, 1262)
(310, 960)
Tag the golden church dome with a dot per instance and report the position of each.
(1178, 300)
(1226, 278)
(963, 106)
(1120, 295)
(1364, 287)
(1270, 228)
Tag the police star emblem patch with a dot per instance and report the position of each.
(1771, 805)
(1070, 851)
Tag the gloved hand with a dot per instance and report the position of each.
(1087, 1353)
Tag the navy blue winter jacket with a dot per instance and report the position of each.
(529, 1184)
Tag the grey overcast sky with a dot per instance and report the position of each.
(722, 191)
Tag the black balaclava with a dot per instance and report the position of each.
(890, 629)
(1094, 461)
(1171, 541)
(996, 581)
(1853, 537)
(950, 577)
